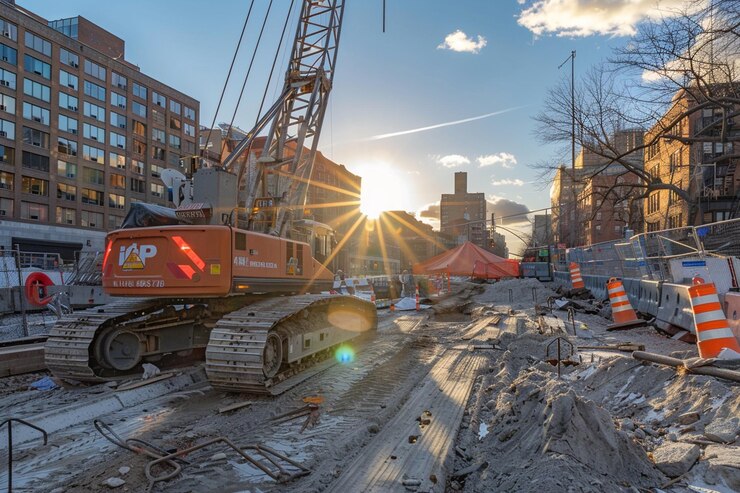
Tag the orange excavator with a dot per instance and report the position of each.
(212, 277)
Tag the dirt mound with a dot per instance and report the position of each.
(522, 292)
(542, 435)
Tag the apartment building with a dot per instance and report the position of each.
(83, 132)
(693, 157)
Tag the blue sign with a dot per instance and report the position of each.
(694, 263)
(702, 232)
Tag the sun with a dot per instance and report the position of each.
(383, 189)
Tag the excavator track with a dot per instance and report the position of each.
(67, 350)
(254, 348)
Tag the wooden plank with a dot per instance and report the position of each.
(234, 407)
(141, 383)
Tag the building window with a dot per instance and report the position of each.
(8, 30)
(69, 80)
(138, 167)
(35, 186)
(116, 160)
(7, 78)
(66, 216)
(139, 147)
(7, 130)
(136, 185)
(92, 197)
(189, 130)
(158, 135)
(94, 176)
(36, 113)
(36, 138)
(189, 113)
(38, 43)
(117, 100)
(158, 153)
(6, 207)
(69, 58)
(97, 71)
(158, 99)
(67, 124)
(68, 27)
(34, 212)
(175, 141)
(173, 159)
(6, 181)
(93, 154)
(35, 161)
(158, 117)
(175, 124)
(114, 222)
(68, 102)
(7, 104)
(67, 146)
(139, 128)
(175, 107)
(139, 91)
(119, 81)
(37, 66)
(117, 140)
(138, 109)
(91, 219)
(93, 111)
(156, 170)
(8, 54)
(94, 91)
(117, 120)
(68, 170)
(93, 132)
(36, 90)
(117, 181)
(189, 147)
(156, 189)
(7, 154)
(116, 201)
(66, 192)
(673, 197)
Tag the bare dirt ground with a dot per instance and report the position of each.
(460, 398)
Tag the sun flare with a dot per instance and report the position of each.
(383, 189)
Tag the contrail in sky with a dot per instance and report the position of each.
(440, 125)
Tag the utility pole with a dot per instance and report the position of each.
(574, 219)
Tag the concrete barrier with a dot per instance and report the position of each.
(731, 307)
(632, 288)
(649, 300)
(675, 307)
(561, 279)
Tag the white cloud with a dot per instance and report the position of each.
(505, 159)
(516, 182)
(452, 160)
(459, 41)
(589, 17)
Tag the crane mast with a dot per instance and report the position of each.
(283, 170)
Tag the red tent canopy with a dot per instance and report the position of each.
(467, 260)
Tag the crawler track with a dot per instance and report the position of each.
(239, 356)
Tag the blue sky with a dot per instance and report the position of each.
(405, 78)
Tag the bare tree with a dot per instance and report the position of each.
(690, 56)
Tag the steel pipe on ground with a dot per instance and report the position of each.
(699, 370)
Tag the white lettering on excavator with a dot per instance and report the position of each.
(134, 257)
(139, 283)
(245, 262)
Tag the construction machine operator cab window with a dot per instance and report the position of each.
(293, 258)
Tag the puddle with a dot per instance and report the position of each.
(482, 431)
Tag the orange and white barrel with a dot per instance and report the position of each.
(575, 276)
(622, 311)
(713, 333)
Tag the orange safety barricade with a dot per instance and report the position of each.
(575, 276)
(713, 333)
(622, 312)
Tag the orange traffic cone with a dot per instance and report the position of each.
(372, 293)
(622, 313)
(575, 276)
(713, 333)
(418, 306)
(393, 307)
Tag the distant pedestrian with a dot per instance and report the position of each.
(407, 284)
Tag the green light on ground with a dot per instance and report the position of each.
(345, 354)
